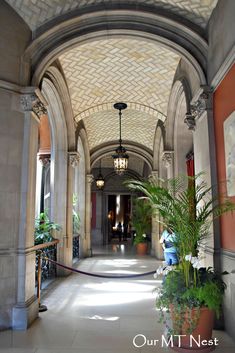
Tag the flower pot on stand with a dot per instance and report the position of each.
(200, 339)
(141, 248)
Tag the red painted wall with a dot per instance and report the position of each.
(224, 105)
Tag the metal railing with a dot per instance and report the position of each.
(42, 264)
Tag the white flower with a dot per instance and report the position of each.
(144, 235)
(135, 235)
(196, 264)
(188, 257)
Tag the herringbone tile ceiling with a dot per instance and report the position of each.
(38, 12)
(103, 72)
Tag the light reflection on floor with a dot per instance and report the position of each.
(95, 315)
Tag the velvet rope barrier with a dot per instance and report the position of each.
(99, 275)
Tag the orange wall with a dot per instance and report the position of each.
(44, 135)
(224, 105)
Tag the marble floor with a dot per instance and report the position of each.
(94, 315)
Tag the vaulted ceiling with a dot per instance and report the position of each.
(103, 72)
(38, 12)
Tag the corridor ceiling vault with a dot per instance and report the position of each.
(38, 12)
(103, 72)
(117, 68)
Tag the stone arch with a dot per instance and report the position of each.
(159, 139)
(179, 89)
(55, 75)
(59, 162)
(132, 148)
(89, 26)
(179, 140)
(131, 105)
(79, 187)
(83, 148)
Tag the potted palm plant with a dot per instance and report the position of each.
(141, 220)
(190, 293)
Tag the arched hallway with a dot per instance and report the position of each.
(65, 68)
(94, 315)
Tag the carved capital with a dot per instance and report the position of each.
(167, 158)
(27, 101)
(33, 102)
(203, 103)
(45, 159)
(74, 158)
(190, 121)
(39, 108)
(90, 178)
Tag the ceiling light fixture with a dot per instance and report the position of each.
(100, 179)
(120, 158)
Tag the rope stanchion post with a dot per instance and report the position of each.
(41, 307)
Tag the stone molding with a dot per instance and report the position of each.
(26, 99)
(167, 158)
(31, 102)
(228, 253)
(202, 102)
(45, 159)
(74, 158)
(190, 121)
(90, 178)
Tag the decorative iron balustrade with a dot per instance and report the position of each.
(76, 246)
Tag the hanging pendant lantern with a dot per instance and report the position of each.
(100, 179)
(120, 158)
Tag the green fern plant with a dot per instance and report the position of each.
(141, 220)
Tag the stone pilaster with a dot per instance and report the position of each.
(205, 157)
(168, 162)
(87, 246)
(155, 246)
(26, 308)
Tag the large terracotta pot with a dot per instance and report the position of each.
(141, 248)
(200, 340)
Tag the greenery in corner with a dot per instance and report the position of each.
(185, 205)
(141, 220)
(44, 228)
(76, 218)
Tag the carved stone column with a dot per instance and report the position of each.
(87, 248)
(73, 162)
(168, 161)
(156, 249)
(74, 158)
(29, 104)
(205, 160)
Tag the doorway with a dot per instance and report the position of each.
(119, 215)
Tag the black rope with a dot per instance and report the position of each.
(97, 275)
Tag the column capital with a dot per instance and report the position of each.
(167, 158)
(189, 120)
(30, 99)
(45, 159)
(90, 178)
(202, 101)
(74, 158)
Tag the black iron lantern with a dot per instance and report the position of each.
(120, 158)
(100, 179)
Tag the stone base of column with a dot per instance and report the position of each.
(24, 314)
